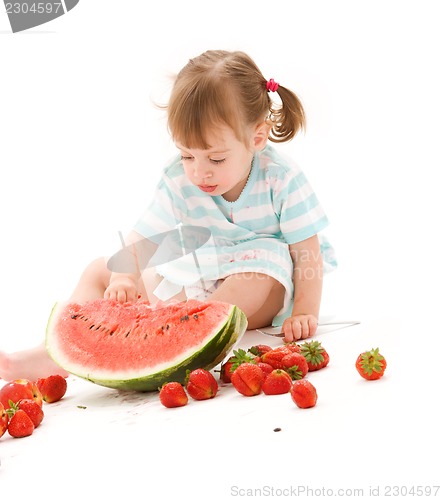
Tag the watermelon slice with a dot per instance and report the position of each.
(135, 346)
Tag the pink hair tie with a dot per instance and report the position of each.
(271, 85)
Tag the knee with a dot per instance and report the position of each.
(97, 270)
(278, 287)
(96, 264)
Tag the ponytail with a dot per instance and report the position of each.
(286, 119)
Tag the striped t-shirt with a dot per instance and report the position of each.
(277, 207)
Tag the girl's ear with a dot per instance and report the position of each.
(261, 133)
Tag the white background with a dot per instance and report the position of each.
(82, 146)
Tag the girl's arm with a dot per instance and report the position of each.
(308, 275)
(127, 266)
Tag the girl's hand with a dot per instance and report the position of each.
(299, 327)
(122, 288)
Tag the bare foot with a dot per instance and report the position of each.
(30, 364)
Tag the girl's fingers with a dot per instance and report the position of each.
(312, 327)
(292, 329)
(121, 296)
(301, 327)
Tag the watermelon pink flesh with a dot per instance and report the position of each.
(104, 340)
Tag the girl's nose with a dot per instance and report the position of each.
(201, 171)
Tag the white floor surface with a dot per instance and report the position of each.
(98, 442)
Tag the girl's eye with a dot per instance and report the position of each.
(186, 158)
(217, 162)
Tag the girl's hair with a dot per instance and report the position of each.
(227, 88)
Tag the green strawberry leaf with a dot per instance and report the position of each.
(313, 352)
(240, 356)
(371, 361)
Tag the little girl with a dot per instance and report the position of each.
(263, 253)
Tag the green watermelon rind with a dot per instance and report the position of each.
(209, 356)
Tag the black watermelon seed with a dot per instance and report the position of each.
(277, 429)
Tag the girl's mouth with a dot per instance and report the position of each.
(207, 189)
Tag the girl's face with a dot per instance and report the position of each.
(222, 169)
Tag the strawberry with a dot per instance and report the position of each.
(303, 393)
(227, 368)
(33, 409)
(52, 388)
(20, 424)
(4, 419)
(274, 357)
(259, 349)
(295, 364)
(247, 379)
(371, 364)
(315, 355)
(265, 367)
(277, 382)
(201, 384)
(293, 346)
(20, 389)
(172, 395)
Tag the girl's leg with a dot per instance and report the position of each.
(36, 363)
(30, 364)
(258, 295)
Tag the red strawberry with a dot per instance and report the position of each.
(20, 389)
(52, 388)
(293, 347)
(265, 367)
(4, 419)
(172, 395)
(371, 364)
(201, 384)
(20, 424)
(274, 357)
(296, 365)
(247, 379)
(277, 382)
(227, 368)
(315, 355)
(259, 349)
(33, 409)
(303, 393)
